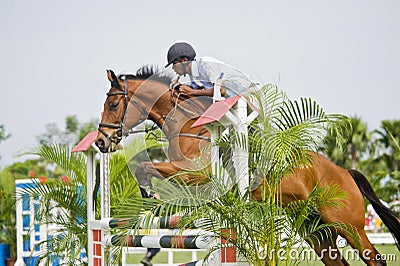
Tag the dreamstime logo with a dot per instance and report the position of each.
(309, 254)
(187, 150)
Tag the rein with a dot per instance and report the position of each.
(189, 136)
(179, 96)
(185, 110)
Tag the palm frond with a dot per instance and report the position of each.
(73, 164)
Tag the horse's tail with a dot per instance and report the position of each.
(391, 221)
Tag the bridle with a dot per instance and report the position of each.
(117, 135)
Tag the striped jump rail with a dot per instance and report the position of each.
(171, 222)
(165, 241)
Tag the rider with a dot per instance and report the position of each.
(204, 72)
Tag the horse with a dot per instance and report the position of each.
(143, 98)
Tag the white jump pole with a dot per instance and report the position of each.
(96, 253)
(104, 200)
(240, 152)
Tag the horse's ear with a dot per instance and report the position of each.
(111, 76)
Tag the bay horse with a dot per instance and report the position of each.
(135, 98)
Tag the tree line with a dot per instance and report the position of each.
(376, 153)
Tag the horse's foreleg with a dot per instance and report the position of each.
(144, 173)
(147, 170)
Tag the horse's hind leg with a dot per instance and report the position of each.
(326, 248)
(366, 251)
(355, 223)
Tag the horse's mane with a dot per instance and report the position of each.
(153, 72)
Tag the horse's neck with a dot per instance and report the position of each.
(153, 97)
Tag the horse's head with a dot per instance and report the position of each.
(128, 103)
(114, 114)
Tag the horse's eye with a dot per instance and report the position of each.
(113, 105)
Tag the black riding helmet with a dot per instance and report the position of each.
(178, 50)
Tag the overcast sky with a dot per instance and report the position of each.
(54, 54)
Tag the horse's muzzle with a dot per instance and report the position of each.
(105, 145)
